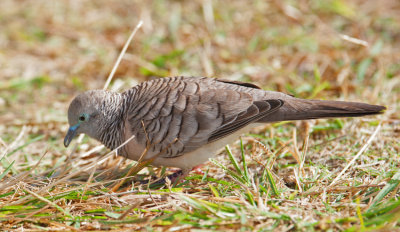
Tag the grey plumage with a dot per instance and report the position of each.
(186, 118)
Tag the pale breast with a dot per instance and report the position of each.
(191, 159)
(133, 149)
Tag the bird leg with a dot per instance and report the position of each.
(181, 174)
(197, 169)
(178, 176)
(174, 178)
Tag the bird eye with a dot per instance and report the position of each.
(83, 117)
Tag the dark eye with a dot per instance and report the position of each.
(83, 117)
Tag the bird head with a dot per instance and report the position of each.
(85, 115)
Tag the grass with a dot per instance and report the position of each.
(334, 175)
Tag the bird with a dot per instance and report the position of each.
(183, 121)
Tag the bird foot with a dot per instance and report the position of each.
(197, 169)
(174, 178)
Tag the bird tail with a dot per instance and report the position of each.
(302, 109)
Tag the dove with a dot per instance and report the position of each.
(183, 121)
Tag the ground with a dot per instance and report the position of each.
(332, 174)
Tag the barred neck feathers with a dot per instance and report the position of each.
(111, 131)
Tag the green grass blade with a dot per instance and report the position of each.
(233, 160)
(213, 190)
(390, 186)
(246, 172)
(272, 182)
(7, 170)
(232, 173)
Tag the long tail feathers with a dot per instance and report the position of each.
(300, 109)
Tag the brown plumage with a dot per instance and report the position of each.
(187, 119)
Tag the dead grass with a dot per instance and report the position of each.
(338, 174)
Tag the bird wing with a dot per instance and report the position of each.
(176, 122)
(258, 110)
(240, 83)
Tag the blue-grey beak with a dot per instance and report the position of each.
(71, 134)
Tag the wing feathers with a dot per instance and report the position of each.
(183, 115)
(255, 112)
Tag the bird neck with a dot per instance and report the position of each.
(111, 135)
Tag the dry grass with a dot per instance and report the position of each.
(321, 175)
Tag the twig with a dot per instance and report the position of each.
(358, 154)
(123, 51)
(305, 146)
(4, 155)
(148, 190)
(354, 40)
(297, 180)
(295, 153)
(137, 204)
